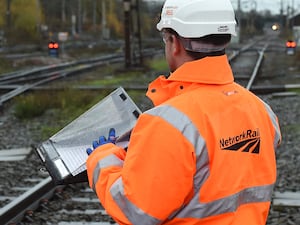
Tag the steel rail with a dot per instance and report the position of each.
(14, 76)
(260, 89)
(37, 72)
(283, 199)
(54, 75)
(236, 53)
(51, 73)
(257, 66)
(16, 209)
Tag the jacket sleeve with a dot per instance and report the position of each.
(104, 166)
(153, 181)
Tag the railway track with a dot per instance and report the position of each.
(19, 82)
(36, 199)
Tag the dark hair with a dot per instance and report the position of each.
(215, 39)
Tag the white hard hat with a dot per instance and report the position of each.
(198, 18)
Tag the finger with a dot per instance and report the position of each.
(102, 140)
(112, 132)
(89, 151)
(95, 144)
(112, 135)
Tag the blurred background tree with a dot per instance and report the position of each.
(26, 18)
(20, 20)
(2, 13)
(30, 20)
(38, 21)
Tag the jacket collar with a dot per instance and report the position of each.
(209, 70)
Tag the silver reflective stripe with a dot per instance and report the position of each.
(134, 214)
(196, 209)
(275, 124)
(110, 160)
(181, 122)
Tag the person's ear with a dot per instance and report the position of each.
(176, 45)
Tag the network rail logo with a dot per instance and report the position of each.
(247, 141)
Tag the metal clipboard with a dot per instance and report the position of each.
(64, 154)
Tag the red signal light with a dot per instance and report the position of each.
(52, 45)
(291, 44)
(55, 45)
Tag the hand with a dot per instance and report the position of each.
(102, 140)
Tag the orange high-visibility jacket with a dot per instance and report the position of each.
(205, 154)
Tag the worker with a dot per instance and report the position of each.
(205, 153)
